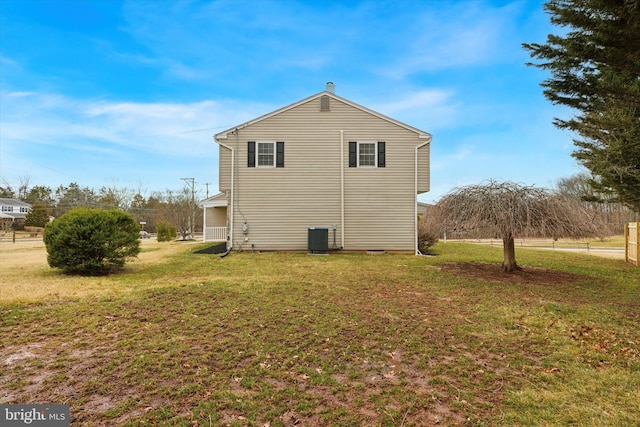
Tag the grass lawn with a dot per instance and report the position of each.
(292, 339)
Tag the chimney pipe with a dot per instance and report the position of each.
(331, 87)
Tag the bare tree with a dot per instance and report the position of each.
(612, 212)
(22, 189)
(6, 190)
(506, 209)
(112, 197)
(175, 208)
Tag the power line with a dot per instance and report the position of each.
(202, 130)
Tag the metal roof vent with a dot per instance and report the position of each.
(331, 87)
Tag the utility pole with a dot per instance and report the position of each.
(191, 182)
(207, 185)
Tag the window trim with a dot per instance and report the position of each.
(274, 154)
(375, 154)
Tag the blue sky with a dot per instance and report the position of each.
(129, 94)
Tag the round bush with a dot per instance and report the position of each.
(91, 241)
(166, 232)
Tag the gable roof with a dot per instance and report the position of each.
(13, 202)
(219, 199)
(421, 134)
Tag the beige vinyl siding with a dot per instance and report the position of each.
(224, 177)
(380, 202)
(280, 204)
(216, 217)
(424, 179)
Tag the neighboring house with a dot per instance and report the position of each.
(323, 161)
(423, 208)
(13, 210)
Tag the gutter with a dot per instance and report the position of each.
(341, 189)
(415, 192)
(232, 192)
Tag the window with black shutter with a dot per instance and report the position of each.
(367, 154)
(265, 154)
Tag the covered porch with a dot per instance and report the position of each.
(215, 218)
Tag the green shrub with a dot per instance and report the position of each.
(91, 241)
(428, 230)
(425, 241)
(166, 232)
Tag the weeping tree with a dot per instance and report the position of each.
(506, 210)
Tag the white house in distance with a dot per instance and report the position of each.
(322, 163)
(13, 210)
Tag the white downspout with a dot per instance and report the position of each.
(232, 187)
(341, 189)
(415, 194)
(204, 225)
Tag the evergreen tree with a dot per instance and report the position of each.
(40, 193)
(7, 192)
(38, 215)
(91, 241)
(595, 70)
(74, 196)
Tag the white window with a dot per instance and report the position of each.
(24, 210)
(266, 154)
(7, 209)
(367, 154)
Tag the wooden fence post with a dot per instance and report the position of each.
(626, 242)
(632, 229)
(637, 244)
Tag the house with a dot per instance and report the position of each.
(322, 162)
(423, 208)
(13, 211)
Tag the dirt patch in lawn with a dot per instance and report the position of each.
(526, 276)
(298, 340)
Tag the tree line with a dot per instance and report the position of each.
(176, 207)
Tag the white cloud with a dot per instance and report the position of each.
(20, 94)
(90, 125)
(55, 138)
(8, 61)
(419, 99)
(463, 157)
(428, 109)
(468, 33)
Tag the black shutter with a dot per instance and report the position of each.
(353, 154)
(279, 154)
(381, 156)
(251, 150)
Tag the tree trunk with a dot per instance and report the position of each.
(509, 264)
